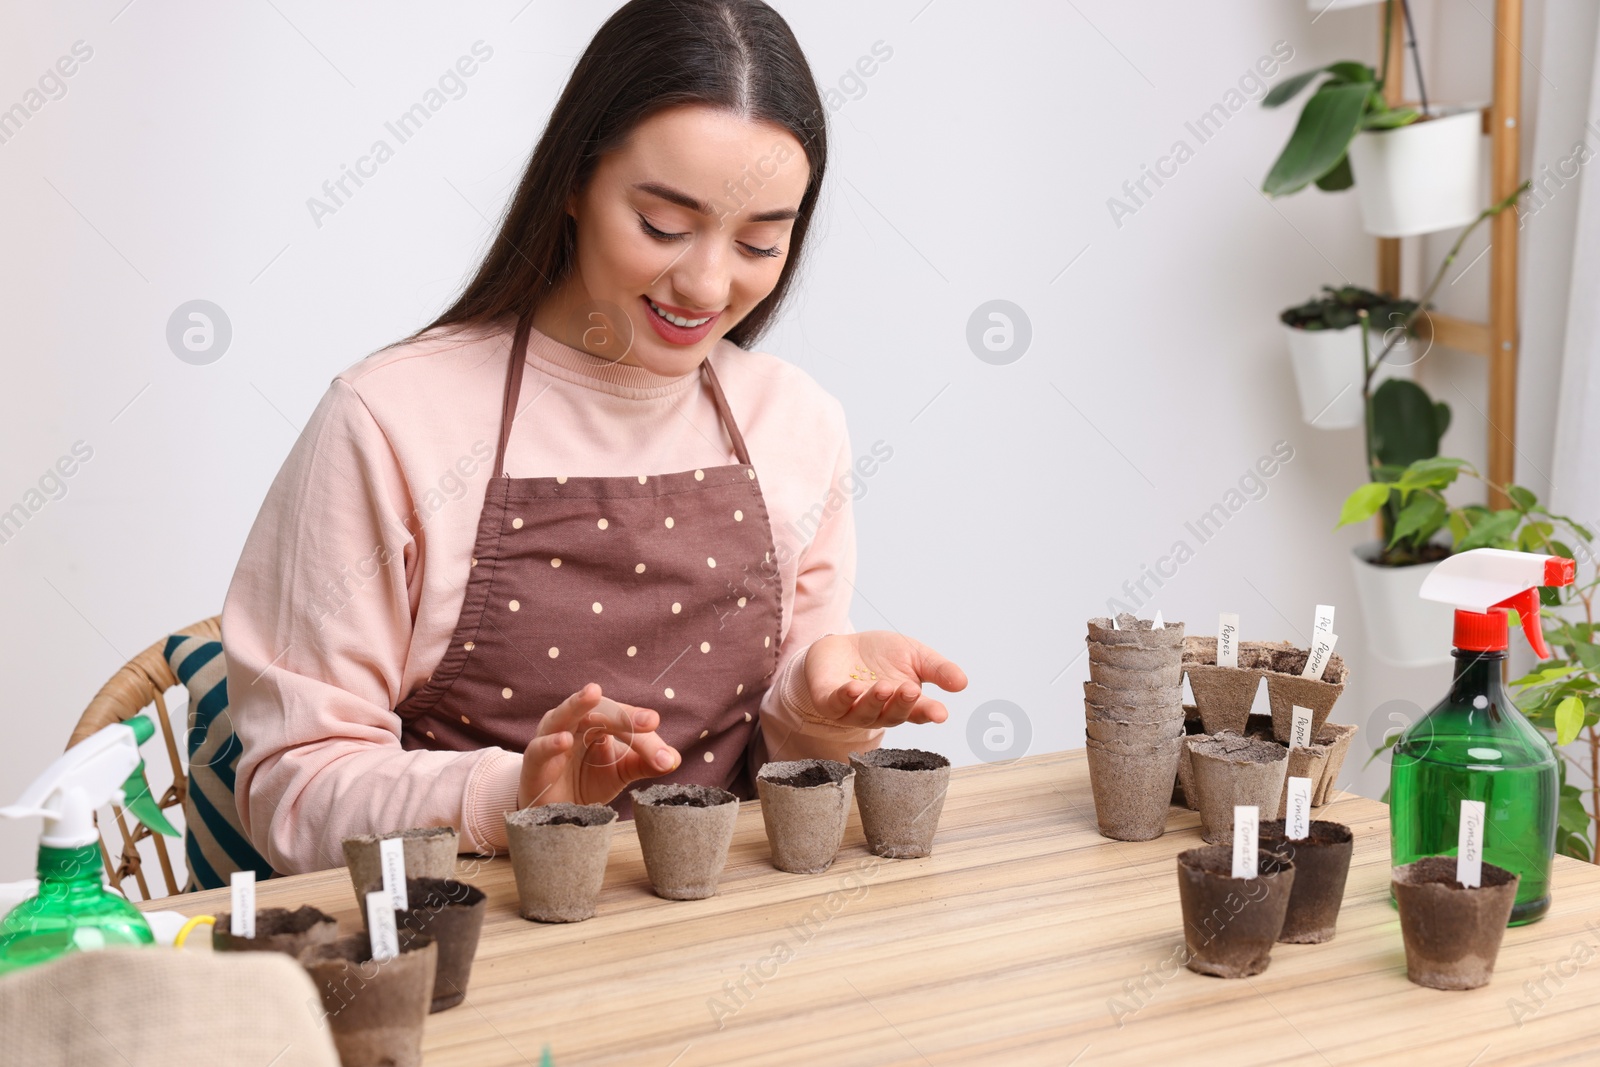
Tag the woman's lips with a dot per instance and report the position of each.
(673, 333)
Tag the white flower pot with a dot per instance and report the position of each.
(1420, 178)
(1403, 630)
(1327, 372)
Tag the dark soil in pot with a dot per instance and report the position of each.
(1452, 933)
(558, 855)
(1230, 924)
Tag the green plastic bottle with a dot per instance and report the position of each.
(1476, 744)
(74, 911)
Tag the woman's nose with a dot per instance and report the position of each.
(703, 277)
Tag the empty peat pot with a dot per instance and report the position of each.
(1305, 761)
(1140, 633)
(684, 833)
(451, 914)
(1107, 730)
(1141, 705)
(375, 1009)
(430, 853)
(1230, 769)
(1162, 677)
(1336, 738)
(559, 854)
(277, 930)
(1321, 866)
(1230, 924)
(805, 805)
(1452, 933)
(900, 792)
(1132, 786)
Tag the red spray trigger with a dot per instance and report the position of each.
(1558, 571)
(1526, 605)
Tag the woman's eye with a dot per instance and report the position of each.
(659, 235)
(664, 237)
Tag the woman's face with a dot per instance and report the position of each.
(692, 217)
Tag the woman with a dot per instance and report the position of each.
(619, 607)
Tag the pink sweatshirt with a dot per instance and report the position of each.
(353, 576)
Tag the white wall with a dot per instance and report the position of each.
(976, 164)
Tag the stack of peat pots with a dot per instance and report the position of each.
(1133, 711)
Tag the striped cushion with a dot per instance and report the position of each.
(214, 842)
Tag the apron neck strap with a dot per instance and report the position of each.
(508, 404)
(727, 413)
(519, 359)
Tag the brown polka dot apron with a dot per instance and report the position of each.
(659, 587)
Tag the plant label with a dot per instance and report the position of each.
(1158, 624)
(380, 924)
(1114, 625)
(1324, 622)
(1297, 822)
(1321, 653)
(1246, 839)
(392, 856)
(1300, 727)
(1469, 845)
(1227, 640)
(242, 923)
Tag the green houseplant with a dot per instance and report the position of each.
(1403, 426)
(1562, 694)
(1415, 170)
(1348, 100)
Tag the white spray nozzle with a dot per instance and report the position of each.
(1480, 579)
(102, 768)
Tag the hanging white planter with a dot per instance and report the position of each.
(1422, 177)
(1327, 373)
(1403, 630)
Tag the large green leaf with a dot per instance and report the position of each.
(1569, 720)
(1340, 178)
(1405, 423)
(1522, 498)
(1326, 127)
(1364, 503)
(1436, 472)
(1419, 520)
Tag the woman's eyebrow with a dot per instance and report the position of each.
(682, 199)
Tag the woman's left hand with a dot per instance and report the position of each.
(875, 678)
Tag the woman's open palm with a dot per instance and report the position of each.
(875, 679)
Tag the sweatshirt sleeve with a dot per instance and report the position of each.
(791, 726)
(316, 628)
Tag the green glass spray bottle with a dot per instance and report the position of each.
(1476, 744)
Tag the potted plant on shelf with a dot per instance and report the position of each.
(1415, 170)
(1562, 694)
(1403, 428)
(1325, 350)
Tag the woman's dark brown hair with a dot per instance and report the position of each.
(736, 55)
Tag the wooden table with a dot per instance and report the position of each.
(1025, 938)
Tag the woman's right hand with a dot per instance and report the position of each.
(589, 748)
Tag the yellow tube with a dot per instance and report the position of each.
(198, 920)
